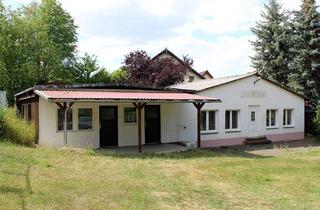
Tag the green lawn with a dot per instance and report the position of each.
(38, 178)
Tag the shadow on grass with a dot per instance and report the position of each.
(242, 151)
(22, 192)
(308, 142)
(191, 154)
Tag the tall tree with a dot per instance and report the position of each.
(12, 57)
(102, 76)
(38, 44)
(56, 32)
(141, 69)
(119, 75)
(86, 67)
(272, 45)
(307, 49)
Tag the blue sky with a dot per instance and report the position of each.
(214, 33)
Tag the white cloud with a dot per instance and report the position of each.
(225, 16)
(158, 8)
(225, 55)
(80, 8)
(109, 29)
(290, 4)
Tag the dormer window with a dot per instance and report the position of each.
(191, 78)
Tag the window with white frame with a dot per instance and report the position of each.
(130, 115)
(84, 118)
(191, 78)
(61, 119)
(287, 117)
(208, 120)
(232, 119)
(271, 118)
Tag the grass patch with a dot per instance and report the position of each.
(40, 178)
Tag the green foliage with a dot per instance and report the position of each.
(88, 71)
(16, 129)
(102, 76)
(37, 45)
(119, 75)
(287, 48)
(317, 120)
(86, 67)
(306, 47)
(272, 45)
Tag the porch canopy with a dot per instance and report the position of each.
(65, 98)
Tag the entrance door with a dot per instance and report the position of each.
(152, 124)
(253, 118)
(108, 126)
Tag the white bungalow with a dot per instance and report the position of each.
(242, 109)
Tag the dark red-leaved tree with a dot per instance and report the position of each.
(141, 69)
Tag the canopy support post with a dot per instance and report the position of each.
(198, 106)
(139, 106)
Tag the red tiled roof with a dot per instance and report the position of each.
(120, 95)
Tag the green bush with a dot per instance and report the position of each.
(16, 129)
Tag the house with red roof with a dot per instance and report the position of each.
(206, 111)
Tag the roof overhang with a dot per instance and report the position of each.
(121, 96)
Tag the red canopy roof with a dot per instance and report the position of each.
(112, 95)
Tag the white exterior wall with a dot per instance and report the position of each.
(190, 73)
(127, 133)
(178, 121)
(239, 95)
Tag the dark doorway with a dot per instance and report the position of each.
(108, 126)
(152, 124)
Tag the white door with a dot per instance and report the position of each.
(253, 118)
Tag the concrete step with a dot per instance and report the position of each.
(258, 140)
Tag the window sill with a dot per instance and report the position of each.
(72, 131)
(61, 131)
(133, 123)
(288, 126)
(209, 132)
(273, 127)
(233, 131)
(85, 130)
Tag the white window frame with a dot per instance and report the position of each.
(191, 78)
(92, 126)
(269, 126)
(124, 117)
(285, 123)
(230, 129)
(207, 121)
(57, 121)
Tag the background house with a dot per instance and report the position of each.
(191, 74)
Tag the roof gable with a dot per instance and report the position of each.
(206, 73)
(202, 85)
(168, 52)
